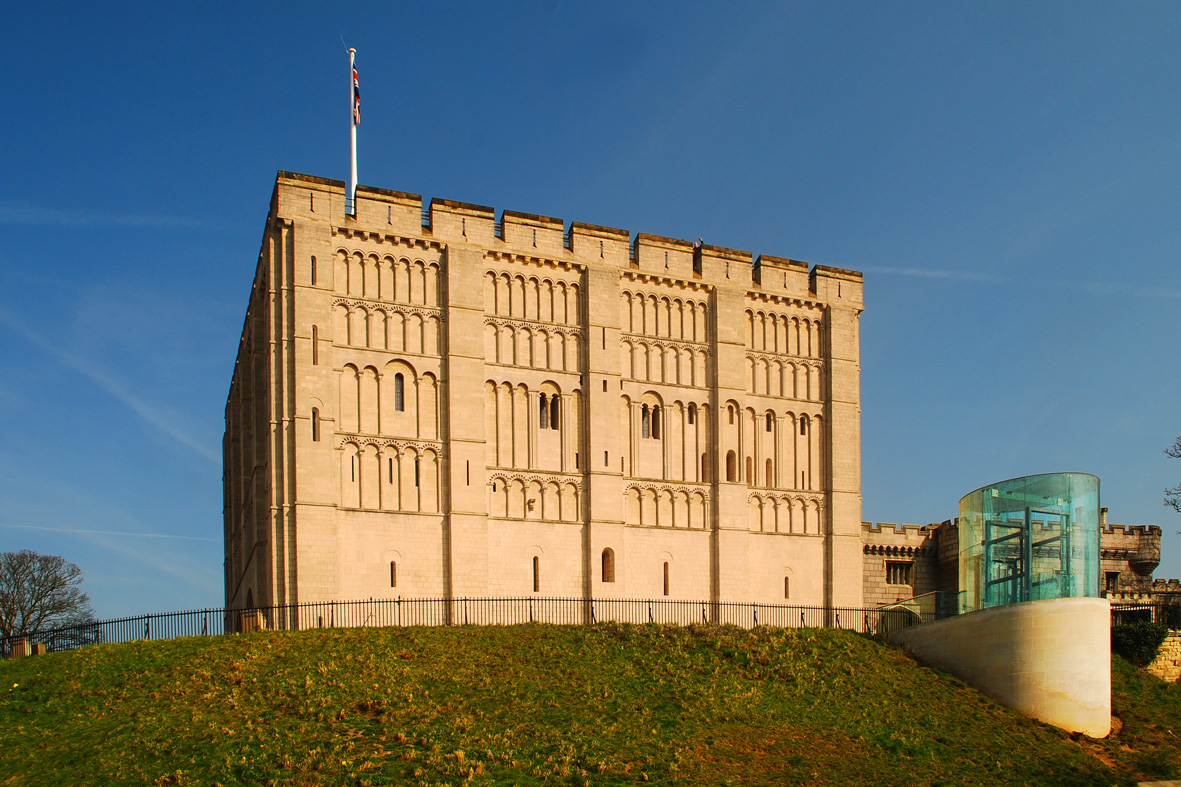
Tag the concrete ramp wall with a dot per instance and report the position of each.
(1048, 659)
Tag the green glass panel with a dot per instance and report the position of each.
(1029, 538)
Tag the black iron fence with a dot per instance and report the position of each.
(1165, 614)
(378, 613)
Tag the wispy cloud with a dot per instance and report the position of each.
(180, 567)
(1106, 289)
(80, 531)
(148, 412)
(932, 273)
(18, 213)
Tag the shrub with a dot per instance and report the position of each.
(1138, 642)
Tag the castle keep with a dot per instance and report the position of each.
(429, 401)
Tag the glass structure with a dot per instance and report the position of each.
(1029, 538)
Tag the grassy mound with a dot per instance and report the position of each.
(533, 705)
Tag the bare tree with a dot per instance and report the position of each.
(1173, 494)
(39, 592)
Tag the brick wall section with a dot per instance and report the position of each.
(885, 542)
(1134, 552)
(1167, 664)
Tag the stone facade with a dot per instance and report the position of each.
(429, 401)
(929, 554)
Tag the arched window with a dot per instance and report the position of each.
(770, 420)
(787, 587)
(417, 465)
(750, 475)
(536, 575)
(770, 474)
(692, 413)
(543, 411)
(399, 392)
(666, 579)
(731, 466)
(645, 422)
(315, 425)
(656, 422)
(393, 574)
(730, 410)
(608, 565)
(553, 411)
(803, 425)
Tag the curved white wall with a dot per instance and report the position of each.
(1048, 659)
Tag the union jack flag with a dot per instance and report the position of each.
(356, 99)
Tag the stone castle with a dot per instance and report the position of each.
(430, 401)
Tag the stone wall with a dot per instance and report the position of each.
(429, 400)
(1167, 664)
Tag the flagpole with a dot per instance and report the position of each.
(352, 201)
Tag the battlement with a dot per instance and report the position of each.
(400, 214)
(890, 528)
(1132, 530)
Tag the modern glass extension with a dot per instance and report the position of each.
(1029, 538)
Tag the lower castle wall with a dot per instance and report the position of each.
(1048, 659)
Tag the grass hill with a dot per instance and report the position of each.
(533, 705)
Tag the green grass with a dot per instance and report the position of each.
(534, 705)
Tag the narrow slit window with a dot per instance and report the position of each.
(898, 573)
(750, 478)
(730, 410)
(770, 420)
(313, 270)
(393, 574)
(399, 392)
(656, 422)
(554, 405)
(468, 471)
(604, 386)
(692, 413)
(536, 575)
(417, 466)
(803, 426)
(787, 587)
(770, 473)
(315, 345)
(666, 579)
(705, 468)
(391, 469)
(645, 422)
(543, 411)
(315, 425)
(608, 565)
(352, 468)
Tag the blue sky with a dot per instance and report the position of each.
(1007, 175)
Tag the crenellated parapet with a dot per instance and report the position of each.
(400, 214)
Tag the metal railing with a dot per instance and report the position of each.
(1164, 614)
(380, 613)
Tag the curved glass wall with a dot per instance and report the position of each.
(1029, 538)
